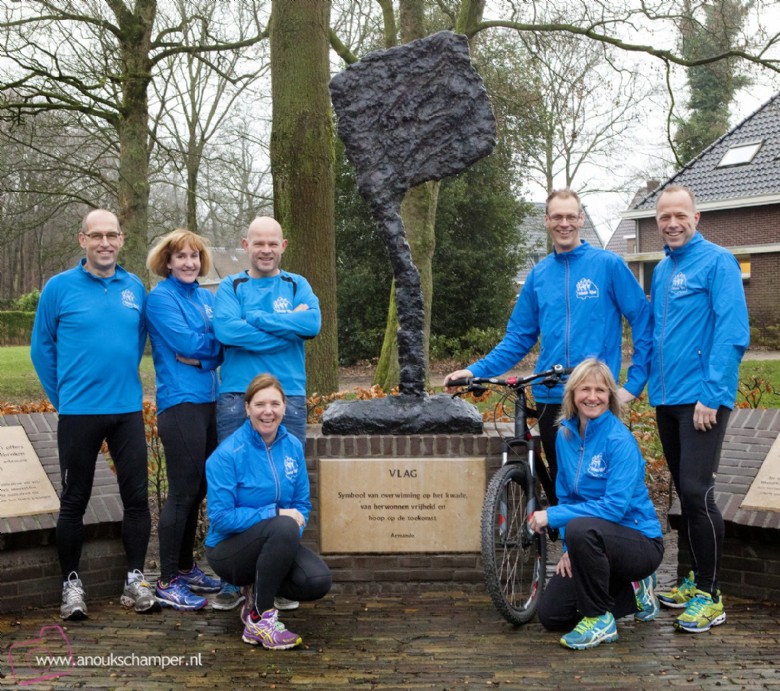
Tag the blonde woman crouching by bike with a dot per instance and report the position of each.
(612, 538)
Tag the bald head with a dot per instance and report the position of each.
(101, 217)
(101, 239)
(265, 245)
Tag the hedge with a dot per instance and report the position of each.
(16, 327)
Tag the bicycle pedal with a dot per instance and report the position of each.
(553, 534)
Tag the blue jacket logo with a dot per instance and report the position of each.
(282, 304)
(597, 467)
(290, 468)
(128, 299)
(209, 312)
(680, 283)
(587, 289)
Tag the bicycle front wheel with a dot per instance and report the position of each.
(513, 559)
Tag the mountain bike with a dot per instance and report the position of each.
(514, 558)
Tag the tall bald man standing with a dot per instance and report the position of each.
(263, 317)
(87, 342)
(701, 333)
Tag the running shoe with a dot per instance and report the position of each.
(73, 606)
(268, 631)
(646, 602)
(590, 632)
(284, 604)
(679, 597)
(701, 614)
(199, 582)
(177, 595)
(139, 595)
(229, 597)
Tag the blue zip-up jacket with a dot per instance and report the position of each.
(602, 476)
(576, 300)
(249, 482)
(87, 341)
(701, 326)
(254, 319)
(179, 319)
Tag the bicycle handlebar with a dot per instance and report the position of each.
(551, 376)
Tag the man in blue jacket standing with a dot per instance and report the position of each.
(575, 298)
(87, 342)
(701, 332)
(263, 317)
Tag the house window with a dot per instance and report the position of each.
(647, 275)
(744, 265)
(740, 154)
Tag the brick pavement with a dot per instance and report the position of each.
(427, 639)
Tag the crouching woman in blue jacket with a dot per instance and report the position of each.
(612, 538)
(258, 506)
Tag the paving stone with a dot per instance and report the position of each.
(421, 639)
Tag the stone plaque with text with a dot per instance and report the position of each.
(25, 489)
(401, 505)
(764, 492)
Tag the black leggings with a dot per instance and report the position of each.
(605, 558)
(189, 435)
(79, 438)
(693, 458)
(270, 556)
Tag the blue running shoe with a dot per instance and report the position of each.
(199, 582)
(177, 595)
(647, 604)
(590, 632)
(229, 597)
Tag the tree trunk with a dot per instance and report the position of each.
(388, 369)
(133, 132)
(302, 165)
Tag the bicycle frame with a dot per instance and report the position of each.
(522, 438)
(514, 556)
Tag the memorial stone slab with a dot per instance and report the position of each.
(25, 489)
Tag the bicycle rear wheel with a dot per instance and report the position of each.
(514, 561)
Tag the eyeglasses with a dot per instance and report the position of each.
(569, 218)
(99, 237)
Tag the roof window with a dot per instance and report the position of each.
(740, 154)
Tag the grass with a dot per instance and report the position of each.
(19, 383)
(759, 380)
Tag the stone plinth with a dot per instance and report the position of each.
(399, 571)
(28, 555)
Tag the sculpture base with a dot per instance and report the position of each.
(439, 414)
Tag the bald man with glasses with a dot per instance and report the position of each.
(87, 342)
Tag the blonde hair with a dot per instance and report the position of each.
(564, 193)
(160, 255)
(590, 367)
